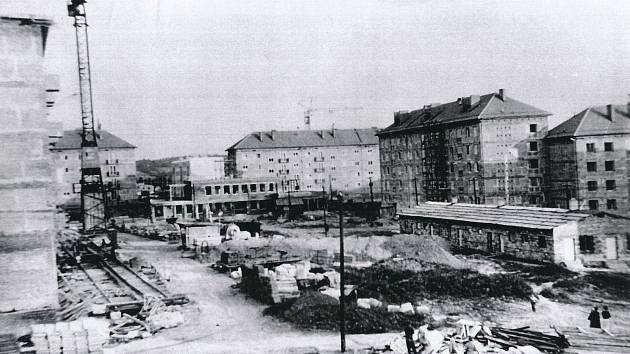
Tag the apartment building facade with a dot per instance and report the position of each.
(118, 165)
(199, 168)
(478, 149)
(308, 160)
(589, 161)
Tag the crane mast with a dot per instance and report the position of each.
(93, 196)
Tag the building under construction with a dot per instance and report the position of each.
(477, 149)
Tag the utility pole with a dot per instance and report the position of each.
(371, 191)
(475, 188)
(415, 185)
(325, 211)
(342, 278)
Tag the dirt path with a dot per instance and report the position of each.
(220, 319)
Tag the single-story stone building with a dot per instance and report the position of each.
(540, 234)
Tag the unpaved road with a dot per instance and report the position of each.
(220, 319)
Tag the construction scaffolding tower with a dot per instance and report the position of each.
(435, 166)
(93, 196)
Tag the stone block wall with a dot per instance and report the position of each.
(27, 257)
(603, 227)
(532, 244)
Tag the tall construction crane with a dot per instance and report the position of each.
(309, 110)
(93, 196)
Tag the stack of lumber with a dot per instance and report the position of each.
(522, 336)
(8, 344)
(77, 337)
(584, 341)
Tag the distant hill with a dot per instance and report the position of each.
(155, 168)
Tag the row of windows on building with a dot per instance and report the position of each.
(611, 185)
(239, 188)
(319, 158)
(611, 204)
(591, 166)
(608, 146)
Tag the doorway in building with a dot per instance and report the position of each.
(489, 242)
(611, 248)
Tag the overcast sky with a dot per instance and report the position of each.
(186, 77)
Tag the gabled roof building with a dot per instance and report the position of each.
(477, 149)
(118, 165)
(588, 160)
(308, 160)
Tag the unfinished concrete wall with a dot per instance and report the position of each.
(27, 259)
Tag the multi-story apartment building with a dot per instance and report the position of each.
(477, 149)
(308, 160)
(199, 168)
(588, 160)
(118, 165)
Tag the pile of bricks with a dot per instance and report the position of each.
(77, 337)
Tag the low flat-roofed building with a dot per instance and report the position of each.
(538, 234)
(203, 199)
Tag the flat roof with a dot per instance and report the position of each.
(505, 215)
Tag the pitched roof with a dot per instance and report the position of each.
(307, 138)
(72, 140)
(524, 217)
(488, 106)
(594, 121)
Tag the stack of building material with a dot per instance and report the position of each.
(8, 344)
(583, 341)
(76, 337)
(347, 258)
(322, 257)
(283, 289)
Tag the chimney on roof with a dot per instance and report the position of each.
(610, 112)
(272, 135)
(400, 117)
(502, 94)
(470, 101)
(321, 134)
(260, 136)
(459, 100)
(332, 132)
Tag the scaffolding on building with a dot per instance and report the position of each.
(434, 164)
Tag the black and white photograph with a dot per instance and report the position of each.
(315, 176)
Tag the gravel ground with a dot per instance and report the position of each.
(220, 319)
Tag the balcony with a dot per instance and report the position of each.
(319, 170)
(318, 159)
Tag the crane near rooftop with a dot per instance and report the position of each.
(309, 110)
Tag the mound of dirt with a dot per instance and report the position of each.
(313, 310)
(431, 249)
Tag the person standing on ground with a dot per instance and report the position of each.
(533, 299)
(594, 318)
(606, 319)
(411, 345)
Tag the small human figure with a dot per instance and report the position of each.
(533, 299)
(593, 318)
(606, 318)
(411, 345)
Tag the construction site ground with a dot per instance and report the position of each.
(221, 319)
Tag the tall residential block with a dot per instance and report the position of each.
(118, 165)
(28, 269)
(482, 149)
(589, 160)
(308, 160)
